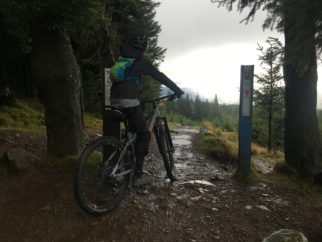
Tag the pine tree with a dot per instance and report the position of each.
(65, 42)
(300, 21)
(269, 96)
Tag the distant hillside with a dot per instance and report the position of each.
(188, 93)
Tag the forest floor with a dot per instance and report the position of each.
(205, 204)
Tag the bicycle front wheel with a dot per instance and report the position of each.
(101, 178)
(163, 138)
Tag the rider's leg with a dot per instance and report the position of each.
(141, 150)
(137, 124)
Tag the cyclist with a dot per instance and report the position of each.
(125, 95)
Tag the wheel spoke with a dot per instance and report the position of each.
(96, 190)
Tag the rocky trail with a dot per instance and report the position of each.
(205, 204)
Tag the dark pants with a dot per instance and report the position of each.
(137, 124)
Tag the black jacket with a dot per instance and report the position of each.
(130, 89)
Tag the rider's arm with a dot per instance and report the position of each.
(162, 78)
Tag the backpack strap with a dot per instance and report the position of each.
(134, 78)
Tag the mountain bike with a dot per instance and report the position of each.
(105, 168)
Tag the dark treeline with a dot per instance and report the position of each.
(189, 110)
(261, 133)
(94, 29)
(221, 115)
(56, 51)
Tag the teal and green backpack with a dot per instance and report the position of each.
(121, 69)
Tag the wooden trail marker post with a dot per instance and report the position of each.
(245, 119)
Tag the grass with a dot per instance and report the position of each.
(252, 176)
(286, 176)
(49, 164)
(180, 120)
(93, 123)
(219, 148)
(224, 146)
(25, 115)
(216, 144)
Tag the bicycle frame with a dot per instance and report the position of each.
(153, 116)
(131, 140)
(109, 163)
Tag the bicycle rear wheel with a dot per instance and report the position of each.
(163, 138)
(98, 185)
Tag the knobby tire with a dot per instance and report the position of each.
(163, 137)
(79, 191)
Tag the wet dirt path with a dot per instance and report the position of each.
(205, 204)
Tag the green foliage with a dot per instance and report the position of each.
(96, 28)
(93, 123)
(101, 39)
(19, 18)
(269, 97)
(288, 176)
(218, 146)
(28, 115)
(259, 131)
(197, 110)
(180, 119)
(300, 20)
(252, 176)
(25, 116)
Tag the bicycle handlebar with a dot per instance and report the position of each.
(168, 97)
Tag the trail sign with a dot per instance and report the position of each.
(107, 88)
(245, 118)
(110, 126)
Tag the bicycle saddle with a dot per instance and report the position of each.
(118, 114)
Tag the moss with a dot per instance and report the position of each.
(28, 116)
(173, 125)
(25, 115)
(218, 147)
(283, 168)
(3, 121)
(208, 126)
(93, 123)
(50, 164)
(286, 177)
(252, 176)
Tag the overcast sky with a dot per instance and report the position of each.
(207, 45)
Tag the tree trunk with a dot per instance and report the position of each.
(57, 76)
(270, 117)
(6, 96)
(300, 74)
(29, 86)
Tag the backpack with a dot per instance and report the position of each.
(121, 69)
